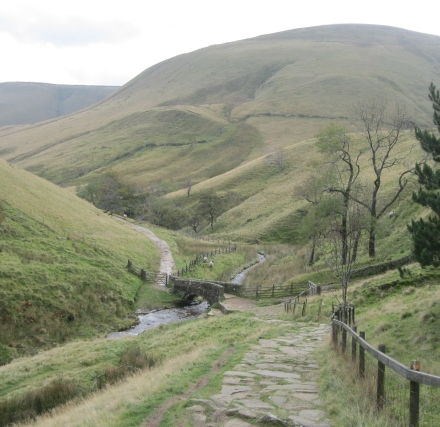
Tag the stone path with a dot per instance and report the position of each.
(275, 384)
(166, 257)
(235, 303)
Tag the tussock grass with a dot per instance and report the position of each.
(37, 402)
(344, 397)
(130, 401)
(105, 408)
(83, 361)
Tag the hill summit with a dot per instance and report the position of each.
(209, 115)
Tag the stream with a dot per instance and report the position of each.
(180, 314)
(162, 317)
(239, 278)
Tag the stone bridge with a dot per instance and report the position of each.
(211, 291)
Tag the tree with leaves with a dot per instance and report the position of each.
(426, 232)
(211, 205)
(312, 225)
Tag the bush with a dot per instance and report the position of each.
(37, 402)
(132, 359)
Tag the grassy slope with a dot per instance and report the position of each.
(33, 102)
(285, 86)
(61, 265)
(404, 316)
(172, 345)
(185, 248)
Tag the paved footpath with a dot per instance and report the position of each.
(274, 384)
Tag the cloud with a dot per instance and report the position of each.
(67, 31)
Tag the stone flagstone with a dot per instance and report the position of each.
(274, 384)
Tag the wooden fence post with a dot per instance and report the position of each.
(319, 310)
(304, 308)
(380, 399)
(273, 290)
(129, 264)
(344, 340)
(362, 357)
(334, 334)
(353, 346)
(143, 275)
(414, 396)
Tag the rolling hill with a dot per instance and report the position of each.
(27, 103)
(219, 115)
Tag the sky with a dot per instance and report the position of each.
(108, 42)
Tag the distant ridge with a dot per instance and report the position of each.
(29, 102)
(215, 116)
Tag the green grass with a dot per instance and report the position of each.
(62, 267)
(185, 248)
(217, 114)
(82, 361)
(404, 315)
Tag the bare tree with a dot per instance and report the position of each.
(344, 161)
(277, 159)
(342, 244)
(194, 222)
(382, 133)
(211, 205)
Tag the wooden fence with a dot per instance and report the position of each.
(312, 289)
(343, 325)
(147, 276)
(202, 259)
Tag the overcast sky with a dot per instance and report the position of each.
(111, 41)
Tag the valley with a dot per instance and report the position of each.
(265, 169)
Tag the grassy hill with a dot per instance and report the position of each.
(27, 103)
(62, 265)
(217, 116)
(284, 85)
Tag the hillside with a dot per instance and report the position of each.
(217, 116)
(62, 266)
(28, 103)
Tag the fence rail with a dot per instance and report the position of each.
(146, 276)
(412, 374)
(203, 259)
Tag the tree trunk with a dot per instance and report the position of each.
(344, 284)
(372, 239)
(355, 247)
(312, 254)
(344, 230)
(373, 219)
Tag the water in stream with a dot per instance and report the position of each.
(162, 317)
(239, 278)
(170, 315)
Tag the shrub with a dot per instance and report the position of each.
(131, 360)
(37, 401)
